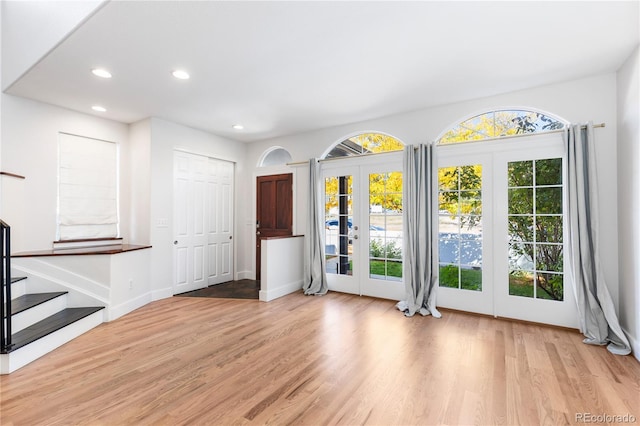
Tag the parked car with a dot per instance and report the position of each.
(334, 224)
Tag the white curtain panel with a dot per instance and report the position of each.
(598, 319)
(420, 267)
(315, 275)
(87, 188)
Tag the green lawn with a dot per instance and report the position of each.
(377, 267)
(519, 285)
(471, 279)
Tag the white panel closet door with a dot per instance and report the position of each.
(190, 179)
(220, 221)
(203, 221)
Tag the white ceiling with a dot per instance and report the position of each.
(287, 67)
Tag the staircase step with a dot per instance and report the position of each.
(50, 325)
(28, 301)
(16, 279)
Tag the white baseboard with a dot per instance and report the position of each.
(283, 290)
(116, 312)
(45, 277)
(162, 293)
(245, 275)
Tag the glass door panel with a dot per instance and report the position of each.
(338, 215)
(530, 265)
(341, 217)
(383, 231)
(460, 227)
(462, 240)
(535, 226)
(385, 226)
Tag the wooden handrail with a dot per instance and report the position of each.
(12, 175)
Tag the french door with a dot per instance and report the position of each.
(203, 221)
(465, 236)
(501, 229)
(363, 227)
(530, 201)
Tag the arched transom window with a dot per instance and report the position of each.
(500, 123)
(365, 143)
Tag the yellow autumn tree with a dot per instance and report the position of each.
(385, 189)
(490, 125)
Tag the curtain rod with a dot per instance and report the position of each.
(322, 160)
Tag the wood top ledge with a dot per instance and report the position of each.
(82, 251)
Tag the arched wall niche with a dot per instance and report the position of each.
(274, 156)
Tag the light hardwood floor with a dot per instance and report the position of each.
(336, 359)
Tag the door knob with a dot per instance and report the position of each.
(175, 243)
(355, 237)
(257, 232)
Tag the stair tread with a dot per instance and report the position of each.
(49, 325)
(16, 279)
(26, 301)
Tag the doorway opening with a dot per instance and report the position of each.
(274, 210)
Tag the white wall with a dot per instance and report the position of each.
(629, 190)
(282, 264)
(30, 148)
(592, 98)
(165, 138)
(139, 167)
(33, 28)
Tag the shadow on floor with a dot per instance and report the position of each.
(243, 289)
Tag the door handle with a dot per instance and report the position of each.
(175, 243)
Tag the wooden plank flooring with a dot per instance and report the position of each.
(336, 359)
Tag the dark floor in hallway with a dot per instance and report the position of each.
(242, 289)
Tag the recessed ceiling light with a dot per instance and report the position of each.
(238, 126)
(99, 108)
(180, 74)
(100, 72)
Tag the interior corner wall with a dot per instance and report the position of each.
(629, 188)
(166, 137)
(30, 148)
(577, 101)
(139, 167)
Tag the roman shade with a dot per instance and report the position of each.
(87, 188)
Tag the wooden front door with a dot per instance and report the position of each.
(274, 209)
